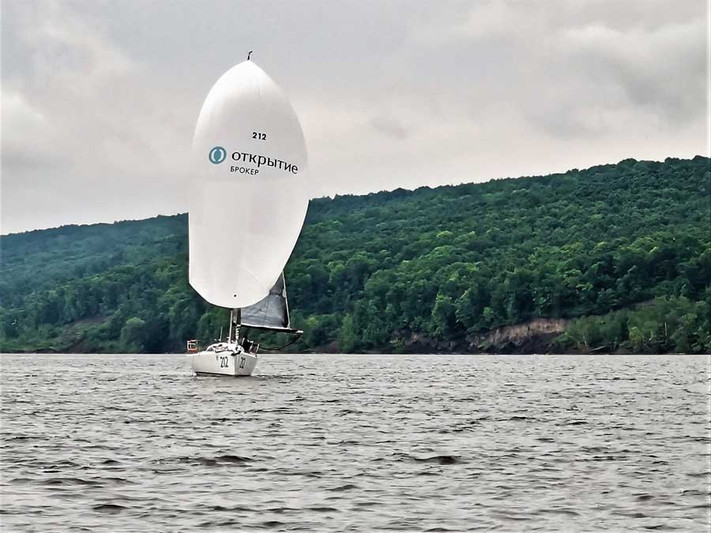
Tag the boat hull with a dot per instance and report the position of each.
(227, 363)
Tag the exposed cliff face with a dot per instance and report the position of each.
(535, 336)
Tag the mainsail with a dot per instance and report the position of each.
(272, 312)
(249, 199)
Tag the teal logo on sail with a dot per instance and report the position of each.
(217, 155)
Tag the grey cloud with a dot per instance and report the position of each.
(18, 160)
(389, 126)
(396, 94)
(662, 69)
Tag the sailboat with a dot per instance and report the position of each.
(247, 207)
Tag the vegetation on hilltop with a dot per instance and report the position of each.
(623, 250)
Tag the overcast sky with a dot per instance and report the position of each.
(100, 98)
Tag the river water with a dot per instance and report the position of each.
(356, 443)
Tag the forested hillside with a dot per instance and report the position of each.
(622, 252)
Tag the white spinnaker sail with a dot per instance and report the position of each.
(249, 197)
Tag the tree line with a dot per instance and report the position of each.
(622, 250)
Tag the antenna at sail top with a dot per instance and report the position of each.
(249, 55)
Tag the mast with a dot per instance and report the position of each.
(235, 321)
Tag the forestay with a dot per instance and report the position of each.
(249, 197)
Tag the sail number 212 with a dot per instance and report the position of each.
(259, 136)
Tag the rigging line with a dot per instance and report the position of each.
(280, 347)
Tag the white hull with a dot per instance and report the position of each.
(223, 359)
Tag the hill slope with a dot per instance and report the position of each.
(434, 269)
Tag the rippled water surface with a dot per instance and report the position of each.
(356, 443)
